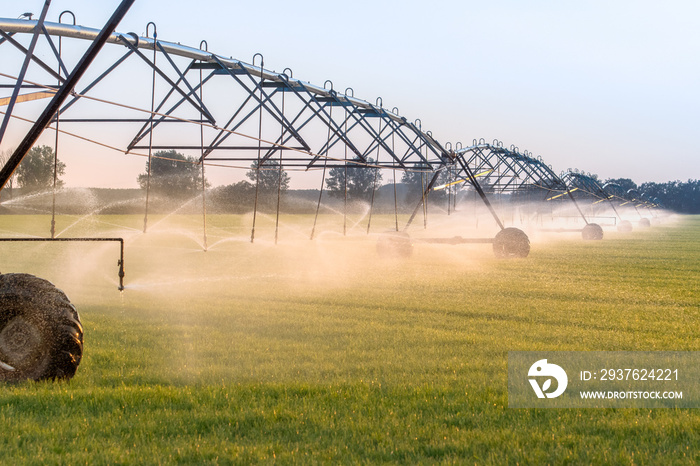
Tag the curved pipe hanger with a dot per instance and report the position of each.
(63, 13)
(155, 30)
(85, 33)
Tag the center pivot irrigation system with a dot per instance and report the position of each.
(229, 114)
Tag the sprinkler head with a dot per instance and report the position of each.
(120, 264)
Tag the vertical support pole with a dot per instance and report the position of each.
(55, 180)
(279, 179)
(257, 168)
(371, 201)
(279, 197)
(150, 133)
(345, 182)
(121, 264)
(204, 209)
(477, 187)
(323, 177)
(551, 212)
(456, 190)
(204, 180)
(374, 183)
(320, 196)
(55, 151)
(571, 196)
(425, 212)
(449, 189)
(425, 191)
(612, 204)
(500, 197)
(476, 216)
(427, 188)
(396, 202)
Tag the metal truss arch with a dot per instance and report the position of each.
(188, 82)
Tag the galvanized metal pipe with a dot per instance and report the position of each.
(87, 33)
(120, 263)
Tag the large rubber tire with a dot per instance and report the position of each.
(592, 231)
(644, 223)
(394, 244)
(40, 332)
(510, 243)
(625, 226)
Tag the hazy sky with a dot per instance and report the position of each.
(611, 87)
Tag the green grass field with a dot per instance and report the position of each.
(319, 352)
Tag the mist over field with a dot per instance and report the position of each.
(261, 351)
(204, 260)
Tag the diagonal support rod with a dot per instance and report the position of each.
(170, 82)
(423, 199)
(482, 195)
(23, 71)
(63, 93)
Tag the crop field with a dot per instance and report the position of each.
(321, 352)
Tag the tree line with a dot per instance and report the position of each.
(678, 196)
(176, 176)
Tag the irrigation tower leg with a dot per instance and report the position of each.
(421, 203)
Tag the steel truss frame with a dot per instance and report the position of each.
(354, 128)
(58, 97)
(588, 187)
(299, 125)
(507, 170)
(272, 121)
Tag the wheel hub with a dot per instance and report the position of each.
(19, 341)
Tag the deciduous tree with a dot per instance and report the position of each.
(269, 177)
(36, 171)
(172, 174)
(361, 181)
